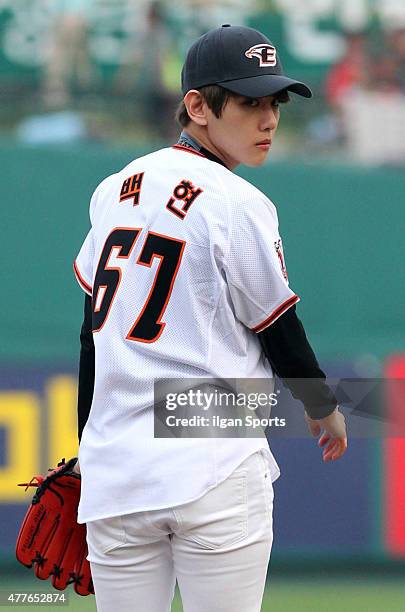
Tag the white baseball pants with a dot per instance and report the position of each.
(217, 547)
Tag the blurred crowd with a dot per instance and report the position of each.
(365, 91)
(368, 66)
(143, 68)
(147, 63)
(123, 81)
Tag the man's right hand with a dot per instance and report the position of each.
(334, 438)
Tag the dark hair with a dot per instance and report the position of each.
(217, 98)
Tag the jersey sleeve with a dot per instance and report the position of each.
(83, 264)
(255, 267)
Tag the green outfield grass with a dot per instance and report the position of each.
(292, 595)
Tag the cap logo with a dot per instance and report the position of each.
(266, 54)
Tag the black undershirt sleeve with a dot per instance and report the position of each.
(86, 368)
(287, 348)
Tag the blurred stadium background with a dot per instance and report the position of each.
(85, 86)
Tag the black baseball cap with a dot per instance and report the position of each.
(239, 59)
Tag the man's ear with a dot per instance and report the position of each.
(196, 107)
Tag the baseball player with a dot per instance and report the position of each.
(184, 277)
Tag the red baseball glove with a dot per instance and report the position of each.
(50, 537)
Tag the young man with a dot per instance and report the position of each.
(184, 279)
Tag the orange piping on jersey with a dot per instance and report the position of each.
(81, 280)
(277, 313)
(107, 267)
(193, 151)
(149, 265)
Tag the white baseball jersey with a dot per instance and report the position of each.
(185, 264)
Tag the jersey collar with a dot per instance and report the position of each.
(187, 143)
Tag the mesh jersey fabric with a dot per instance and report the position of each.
(229, 283)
